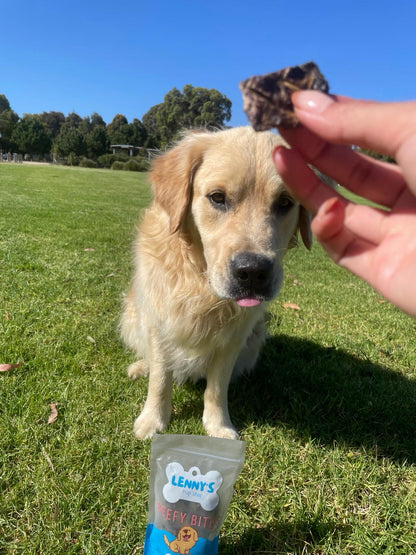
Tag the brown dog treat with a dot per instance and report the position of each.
(268, 98)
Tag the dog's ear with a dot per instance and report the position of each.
(304, 226)
(172, 177)
(195, 536)
(305, 219)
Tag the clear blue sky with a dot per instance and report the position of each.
(123, 57)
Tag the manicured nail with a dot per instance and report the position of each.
(312, 101)
(278, 153)
(331, 210)
(279, 149)
(331, 206)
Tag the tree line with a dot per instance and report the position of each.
(73, 137)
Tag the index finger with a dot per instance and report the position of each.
(375, 180)
(386, 127)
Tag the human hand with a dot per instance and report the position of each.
(377, 245)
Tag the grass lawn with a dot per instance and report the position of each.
(329, 415)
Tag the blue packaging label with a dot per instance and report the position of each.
(187, 541)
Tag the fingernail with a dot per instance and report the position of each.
(331, 209)
(312, 101)
(279, 152)
(278, 149)
(331, 206)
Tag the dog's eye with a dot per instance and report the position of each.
(283, 204)
(218, 200)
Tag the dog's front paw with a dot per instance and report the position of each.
(147, 425)
(138, 369)
(226, 432)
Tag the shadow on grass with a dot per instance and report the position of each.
(320, 393)
(330, 395)
(283, 538)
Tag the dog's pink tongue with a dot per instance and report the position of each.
(248, 302)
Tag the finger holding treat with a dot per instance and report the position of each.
(324, 140)
(268, 98)
(379, 245)
(385, 127)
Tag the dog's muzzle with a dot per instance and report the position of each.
(252, 276)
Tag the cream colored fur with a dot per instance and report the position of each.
(181, 314)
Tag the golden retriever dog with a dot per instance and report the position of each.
(185, 541)
(208, 261)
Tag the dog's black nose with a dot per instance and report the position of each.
(252, 271)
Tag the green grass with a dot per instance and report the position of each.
(328, 416)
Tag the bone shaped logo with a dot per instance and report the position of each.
(192, 486)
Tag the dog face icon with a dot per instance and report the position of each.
(185, 541)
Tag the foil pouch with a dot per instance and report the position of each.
(191, 484)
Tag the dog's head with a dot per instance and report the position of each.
(221, 191)
(187, 535)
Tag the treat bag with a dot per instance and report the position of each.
(191, 484)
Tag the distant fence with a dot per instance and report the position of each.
(9, 157)
(131, 149)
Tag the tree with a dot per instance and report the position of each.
(206, 107)
(97, 142)
(73, 120)
(150, 123)
(8, 121)
(138, 132)
(89, 123)
(149, 120)
(97, 121)
(53, 121)
(31, 136)
(115, 130)
(69, 141)
(82, 136)
(4, 103)
(121, 132)
(193, 107)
